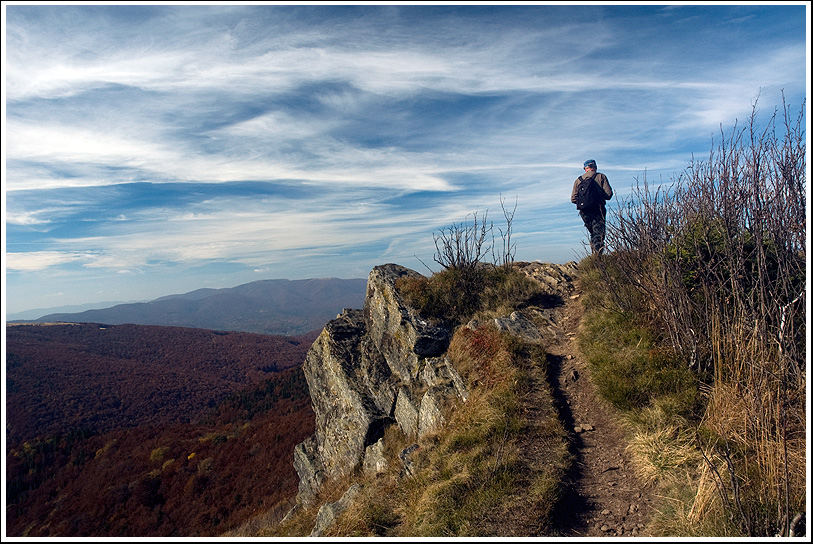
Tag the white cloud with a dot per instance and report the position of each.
(41, 260)
(76, 144)
(250, 149)
(161, 162)
(275, 127)
(251, 232)
(27, 218)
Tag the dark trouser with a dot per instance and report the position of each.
(594, 221)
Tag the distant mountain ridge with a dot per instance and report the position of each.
(279, 306)
(36, 313)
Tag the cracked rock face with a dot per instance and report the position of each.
(367, 370)
(338, 382)
(402, 337)
(385, 365)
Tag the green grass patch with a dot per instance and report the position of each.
(631, 368)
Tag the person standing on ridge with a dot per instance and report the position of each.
(590, 191)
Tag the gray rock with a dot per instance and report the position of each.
(374, 460)
(519, 324)
(367, 369)
(406, 412)
(328, 512)
(556, 279)
(399, 332)
(439, 371)
(343, 407)
(406, 456)
(430, 416)
(310, 470)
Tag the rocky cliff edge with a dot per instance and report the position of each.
(385, 365)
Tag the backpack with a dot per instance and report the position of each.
(588, 195)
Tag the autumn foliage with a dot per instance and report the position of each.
(193, 435)
(106, 377)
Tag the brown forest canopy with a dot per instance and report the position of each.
(101, 377)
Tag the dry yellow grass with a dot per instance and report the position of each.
(467, 468)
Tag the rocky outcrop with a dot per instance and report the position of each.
(385, 365)
(400, 335)
(368, 369)
(557, 280)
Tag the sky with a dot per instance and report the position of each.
(154, 149)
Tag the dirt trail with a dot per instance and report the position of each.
(604, 497)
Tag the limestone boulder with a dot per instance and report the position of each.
(519, 324)
(310, 470)
(430, 414)
(557, 280)
(406, 412)
(439, 371)
(375, 461)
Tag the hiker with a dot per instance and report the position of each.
(590, 191)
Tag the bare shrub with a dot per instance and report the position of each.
(505, 257)
(719, 254)
(469, 280)
(463, 245)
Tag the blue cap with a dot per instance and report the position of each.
(590, 162)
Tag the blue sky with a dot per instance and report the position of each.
(156, 149)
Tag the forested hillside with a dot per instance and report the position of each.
(194, 479)
(103, 377)
(150, 431)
